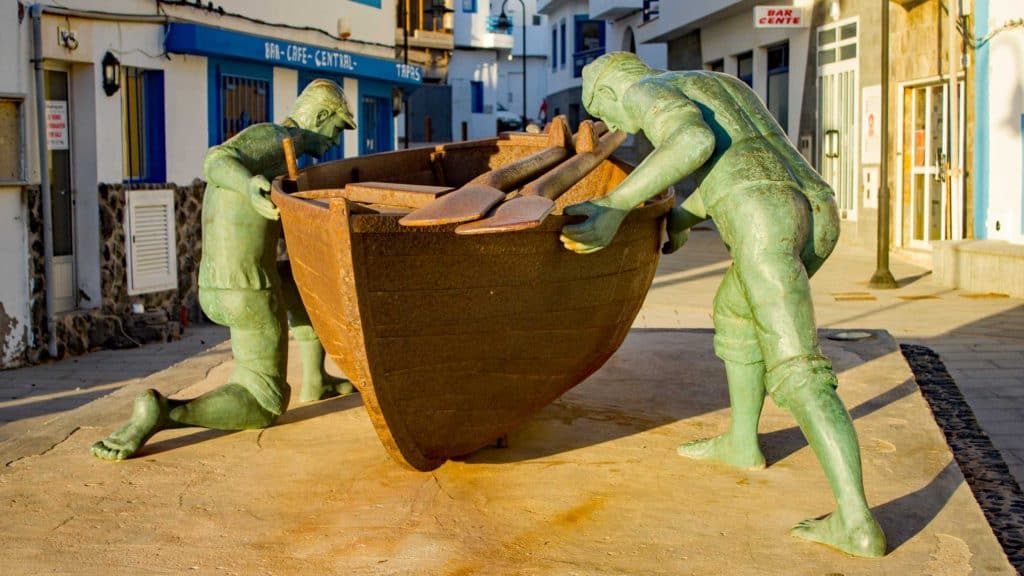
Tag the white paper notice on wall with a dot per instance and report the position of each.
(871, 125)
(57, 124)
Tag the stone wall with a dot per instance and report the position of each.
(113, 324)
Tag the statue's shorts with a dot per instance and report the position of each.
(778, 235)
(259, 341)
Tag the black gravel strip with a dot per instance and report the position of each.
(983, 466)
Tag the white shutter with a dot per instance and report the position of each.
(150, 236)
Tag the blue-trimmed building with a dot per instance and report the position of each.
(130, 100)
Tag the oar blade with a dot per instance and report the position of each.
(465, 204)
(520, 213)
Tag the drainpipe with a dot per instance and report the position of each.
(882, 278)
(36, 13)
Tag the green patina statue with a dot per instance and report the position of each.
(779, 220)
(241, 285)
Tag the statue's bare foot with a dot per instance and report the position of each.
(725, 449)
(861, 536)
(324, 386)
(149, 415)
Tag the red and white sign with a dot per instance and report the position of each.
(779, 17)
(57, 124)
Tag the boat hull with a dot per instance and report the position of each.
(452, 340)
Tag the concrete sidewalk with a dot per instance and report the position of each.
(591, 485)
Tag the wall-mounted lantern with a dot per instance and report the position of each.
(111, 74)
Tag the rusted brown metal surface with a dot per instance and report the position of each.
(482, 193)
(455, 340)
(537, 199)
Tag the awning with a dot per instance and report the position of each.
(188, 38)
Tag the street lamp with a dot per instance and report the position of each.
(505, 24)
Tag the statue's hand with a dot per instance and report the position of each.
(678, 234)
(259, 188)
(594, 233)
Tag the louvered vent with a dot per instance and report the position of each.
(152, 259)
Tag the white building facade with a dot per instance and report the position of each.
(473, 69)
(999, 108)
(121, 155)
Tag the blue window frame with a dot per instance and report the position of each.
(142, 122)
(469, 6)
(476, 97)
(554, 48)
(373, 3)
(745, 68)
(561, 50)
(240, 95)
(588, 42)
(335, 152)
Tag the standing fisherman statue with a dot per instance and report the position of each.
(779, 220)
(240, 285)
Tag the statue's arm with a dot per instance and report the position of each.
(225, 168)
(683, 143)
(682, 140)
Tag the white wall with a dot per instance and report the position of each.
(467, 66)
(469, 29)
(351, 137)
(89, 153)
(725, 38)
(186, 121)
(322, 14)
(16, 79)
(1006, 107)
(14, 293)
(510, 81)
(562, 78)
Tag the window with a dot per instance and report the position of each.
(241, 97)
(837, 42)
(715, 66)
(561, 50)
(152, 256)
(372, 3)
(778, 83)
(11, 165)
(469, 6)
(142, 124)
(745, 68)
(476, 97)
(554, 48)
(650, 10)
(588, 42)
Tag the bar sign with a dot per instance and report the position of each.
(779, 17)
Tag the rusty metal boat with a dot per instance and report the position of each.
(454, 340)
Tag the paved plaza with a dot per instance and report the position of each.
(591, 485)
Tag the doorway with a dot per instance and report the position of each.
(62, 196)
(374, 124)
(934, 205)
(838, 87)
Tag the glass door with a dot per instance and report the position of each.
(838, 88)
(935, 203)
(62, 200)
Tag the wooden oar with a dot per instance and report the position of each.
(485, 191)
(289, 158)
(537, 199)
